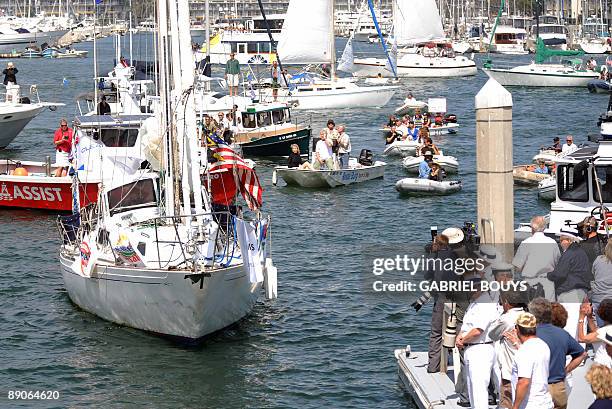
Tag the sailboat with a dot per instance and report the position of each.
(418, 25)
(541, 74)
(307, 37)
(161, 250)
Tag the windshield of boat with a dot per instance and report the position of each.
(604, 174)
(248, 120)
(132, 196)
(572, 182)
(119, 137)
(264, 118)
(280, 116)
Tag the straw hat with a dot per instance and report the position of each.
(526, 320)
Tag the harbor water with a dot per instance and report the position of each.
(322, 342)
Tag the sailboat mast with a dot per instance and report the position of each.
(332, 40)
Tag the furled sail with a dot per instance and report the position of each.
(416, 21)
(306, 33)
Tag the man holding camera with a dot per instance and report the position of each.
(63, 146)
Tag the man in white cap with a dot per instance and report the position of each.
(536, 257)
(10, 72)
(572, 277)
(530, 369)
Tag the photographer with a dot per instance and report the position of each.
(591, 243)
(63, 146)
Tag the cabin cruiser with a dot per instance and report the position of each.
(551, 31)
(509, 40)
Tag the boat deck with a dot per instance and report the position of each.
(437, 390)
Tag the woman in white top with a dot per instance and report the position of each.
(596, 334)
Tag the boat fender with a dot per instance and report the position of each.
(270, 279)
(274, 177)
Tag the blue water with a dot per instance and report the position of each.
(325, 340)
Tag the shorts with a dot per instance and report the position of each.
(275, 83)
(233, 80)
(61, 158)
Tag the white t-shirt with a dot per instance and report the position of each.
(344, 140)
(531, 361)
(537, 255)
(481, 313)
(569, 148)
(324, 150)
(601, 355)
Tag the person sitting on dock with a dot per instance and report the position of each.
(63, 146)
(411, 132)
(323, 152)
(425, 165)
(344, 147)
(393, 136)
(295, 158)
(10, 77)
(103, 106)
(569, 146)
(429, 146)
(541, 169)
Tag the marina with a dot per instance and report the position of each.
(166, 311)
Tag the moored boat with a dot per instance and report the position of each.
(406, 147)
(448, 163)
(547, 188)
(418, 186)
(324, 178)
(525, 175)
(598, 86)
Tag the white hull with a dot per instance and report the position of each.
(13, 118)
(540, 75)
(594, 47)
(417, 66)
(448, 128)
(448, 163)
(335, 98)
(18, 42)
(461, 47)
(401, 148)
(547, 189)
(329, 178)
(162, 301)
(427, 187)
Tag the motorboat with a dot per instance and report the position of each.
(17, 111)
(326, 178)
(547, 189)
(461, 46)
(407, 147)
(15, 41)
(595, 36)
(450, 164)
(71, 53)
(410, 105)
(509, 40)
(539, 74)
(526, 175)
(423, 51)
(548, 156)
(551, 31)
(268, 130)
(418, 186)
(599, 86)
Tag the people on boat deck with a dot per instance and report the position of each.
(63, 146)
(275, 74)
(232, 74)
(437, 173)
(423, 134)
(10, 77)
(411, 132)
(439, 119)
(392, 120)
(401, 127)
(323, 152)
(418, 118)
(426, 120)
(425, 165)
(393, 135)
(556, 145)
(409, 98)
(541, 169)
(591, 64)
(295, 159)
(429, 147)
(210, 126)
(344, 147)
(603, 74)
(103, 106)
(569, 146)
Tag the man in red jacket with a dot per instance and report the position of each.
(63, 145)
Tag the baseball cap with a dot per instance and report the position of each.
(526, 320)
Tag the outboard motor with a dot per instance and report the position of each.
(365, 157)
(451, 118)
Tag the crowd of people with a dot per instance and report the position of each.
(332, 150)
(519, 346)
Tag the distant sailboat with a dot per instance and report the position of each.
(418, 24)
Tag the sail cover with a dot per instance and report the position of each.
(346, 62)
(416, 21)
(306, 33)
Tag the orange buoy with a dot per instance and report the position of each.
(21, 171)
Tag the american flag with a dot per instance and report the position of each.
(244, 176)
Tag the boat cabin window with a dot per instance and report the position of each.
(278, 116)
(252, 48)
(248, 120)
(604, 174)
(119, 137)
(264, 118)
(233, 46)
(132, 196)
(572, 182)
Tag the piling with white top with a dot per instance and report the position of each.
(495, 195)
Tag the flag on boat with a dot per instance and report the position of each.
(230, 174)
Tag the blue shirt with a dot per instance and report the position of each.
(413, 133)
(424, 170)
(561, 344)
(543, 171)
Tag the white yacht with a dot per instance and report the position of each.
(551, 31)
(418, 28)
(595, 36)
(509, 40)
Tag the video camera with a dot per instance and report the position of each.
(471, 237)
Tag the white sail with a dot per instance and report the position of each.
(346, 61)
(391, 64)
(416, 21)
(305, 37)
